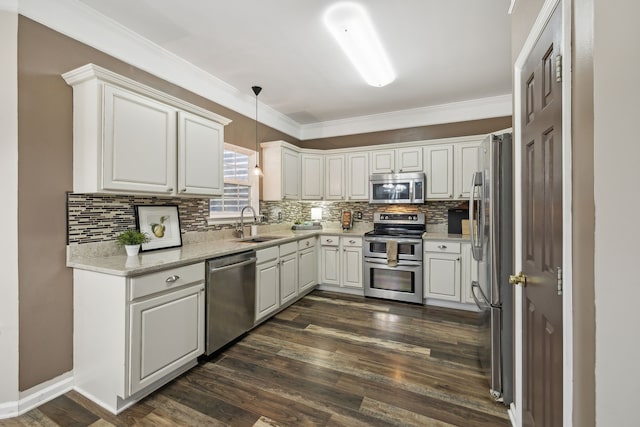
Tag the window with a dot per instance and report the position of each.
(240, 186)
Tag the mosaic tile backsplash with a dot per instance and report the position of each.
(98, 218)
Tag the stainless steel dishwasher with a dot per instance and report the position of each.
(231, 298)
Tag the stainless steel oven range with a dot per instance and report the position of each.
(393, 257)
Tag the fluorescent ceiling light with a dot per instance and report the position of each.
(349, 23)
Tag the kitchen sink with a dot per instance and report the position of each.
(258, 239)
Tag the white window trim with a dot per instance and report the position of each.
(254, 181)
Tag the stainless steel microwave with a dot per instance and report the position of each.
(397, 188)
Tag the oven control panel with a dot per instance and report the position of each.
(405, 218)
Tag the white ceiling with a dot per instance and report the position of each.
(443, 51)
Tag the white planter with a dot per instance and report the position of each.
(132, 250)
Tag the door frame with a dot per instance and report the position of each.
(515, 411)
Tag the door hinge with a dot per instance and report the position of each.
(558, 68)
(559, 280)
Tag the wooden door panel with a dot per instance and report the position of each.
(542, 230)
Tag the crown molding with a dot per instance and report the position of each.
(80, 22)
(483, 108)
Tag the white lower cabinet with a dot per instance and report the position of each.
(307, 265)
(288, 272)
(267, 282)
(283, 274)
(132, 335)
(449, 269)
(341, 261)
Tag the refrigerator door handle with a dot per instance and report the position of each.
(476, 244)
(483, 305)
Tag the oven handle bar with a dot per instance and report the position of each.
(401, 263)
(385, 239)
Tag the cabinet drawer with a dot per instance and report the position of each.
(329, 240)
(306, 243)
(288, 248)
(173, 278)
(268, 254)
(443, 247)
(352, 241)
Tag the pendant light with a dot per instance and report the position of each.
(257, 171)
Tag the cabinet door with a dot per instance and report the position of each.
(383, 161)
(352, 267)
(166, 332)
(290, 175)
(307, 269)
(312, 176)
(139, 143)
(267, 288)
(288, 277)
(442, 276)
(409, 159)
(438, 161)
(200, 155)
(334, 177)
(330, 265)
(358, 176)
(465, 164)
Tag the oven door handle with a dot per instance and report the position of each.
(400, 241)
(401, 263)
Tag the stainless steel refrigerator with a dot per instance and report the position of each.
(491, 207)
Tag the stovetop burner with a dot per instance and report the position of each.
(408, 225)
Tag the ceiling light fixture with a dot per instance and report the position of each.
(350, 25)
(257, 171)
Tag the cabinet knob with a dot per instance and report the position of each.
(169, 190)
(460, 196)
(330, 240)
(172, 279)
(442, 246)
(184, 190)
(400, 170)
(352, 241)
(307, 243)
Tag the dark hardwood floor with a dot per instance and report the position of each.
(328, 360)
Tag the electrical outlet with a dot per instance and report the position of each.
(358, 215)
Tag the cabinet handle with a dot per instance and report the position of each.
(184, 190)
(169, 190)
(442, 246)
(172, 279)
(352, 241)
(460, 196)
(307, 243)
(400, 170)
(330, 240)
(458, 259)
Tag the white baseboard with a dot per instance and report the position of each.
(37, 395)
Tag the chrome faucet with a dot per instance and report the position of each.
(255, 220)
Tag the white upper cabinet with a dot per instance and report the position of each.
(334, 177)
(139, 142)
(407, 159)
(130, 138)
(200, 146)
(312, 166)
(281, 166)
(358, 176)
(450, 167)
(290, 174)
(465, 159)
(438, 161)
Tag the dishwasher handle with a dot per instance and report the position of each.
(237, 264)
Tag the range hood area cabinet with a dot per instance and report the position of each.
(133, 139)
(407, 159)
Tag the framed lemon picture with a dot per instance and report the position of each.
(161, 224)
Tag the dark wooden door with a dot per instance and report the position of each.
(541, 124)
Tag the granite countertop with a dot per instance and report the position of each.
(189, 253)
(446, 236)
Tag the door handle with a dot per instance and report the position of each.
(518, 279)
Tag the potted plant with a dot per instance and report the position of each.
(131, 240)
